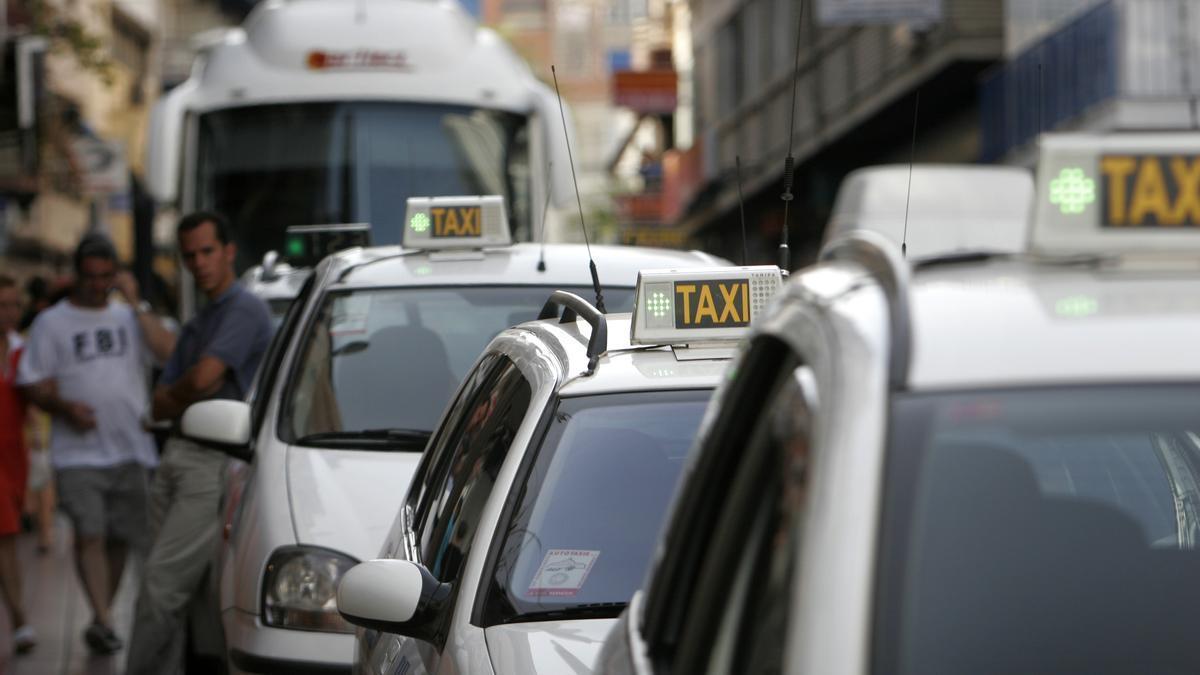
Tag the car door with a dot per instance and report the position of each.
(448, 497)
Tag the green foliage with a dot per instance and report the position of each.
(67, 34)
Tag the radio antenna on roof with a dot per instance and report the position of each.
(912, 151)
(541, 266)
(741, 205)
(789, 164)
(578, 200)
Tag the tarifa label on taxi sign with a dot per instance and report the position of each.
(1140, 190)
(712, 304)
(456, 221)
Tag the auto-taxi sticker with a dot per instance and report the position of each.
(562, 572)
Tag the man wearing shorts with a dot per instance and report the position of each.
(218, 353)
(84, 363)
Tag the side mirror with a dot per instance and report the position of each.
(222, 424)
(393, 596)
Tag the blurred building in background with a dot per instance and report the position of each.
(1091, 66)
(862, 66)
(76, 88)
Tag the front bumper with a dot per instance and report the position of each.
(255, 648)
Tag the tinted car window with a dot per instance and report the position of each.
(1050, 530)
(359, 162)
(391, 358)
(585, 523)
(478, 450)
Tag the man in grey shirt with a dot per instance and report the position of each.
(216, 357)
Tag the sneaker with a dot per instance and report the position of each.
(24, 639)
(101, 639)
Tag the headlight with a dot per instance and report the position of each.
(300, 589)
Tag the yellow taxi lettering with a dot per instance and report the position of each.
(729, 299)
(470, 222)
(1149, 193)
(439, 214)
(1187, 182)
(451, 222)
(705, 307)
(686, 291)
(1116, 170)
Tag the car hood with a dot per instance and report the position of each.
(346, 500)
(545, 647)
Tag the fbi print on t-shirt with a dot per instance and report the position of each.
(100, 343)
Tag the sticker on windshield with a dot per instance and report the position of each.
(562, 572)
(350, 314)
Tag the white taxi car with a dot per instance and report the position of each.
(958, 466)
(536, 508)
(368, 357)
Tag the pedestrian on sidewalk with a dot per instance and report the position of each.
(14, 464)
(84, 363)
(217, 355)
(39, 493)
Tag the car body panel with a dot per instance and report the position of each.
(547, 647)
(330, 489)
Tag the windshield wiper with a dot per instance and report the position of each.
(367, 437)
(594, 610)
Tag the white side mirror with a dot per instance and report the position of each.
(220, 422)
(394, 596)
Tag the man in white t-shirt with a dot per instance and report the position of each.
(84, 363)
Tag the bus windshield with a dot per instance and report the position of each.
(357, 162)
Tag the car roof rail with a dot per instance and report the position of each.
(884, 262)
(574, 306)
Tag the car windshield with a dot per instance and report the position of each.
(380, 364)
(358, 162)
(1038, 531)
(584, 525)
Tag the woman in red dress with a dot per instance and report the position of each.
(14, 464)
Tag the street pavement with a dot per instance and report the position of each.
(56, 605)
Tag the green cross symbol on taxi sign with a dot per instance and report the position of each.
(1072, 191)
(419, 222)
(659, 304)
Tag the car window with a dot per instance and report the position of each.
(1069, 512)
(431, 472)
(584, 524)
(698, 550)
(390, 358)
(476, 452)
(264, 380)
(752, 633)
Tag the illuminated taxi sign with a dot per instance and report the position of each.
(697, 305)
(1150, 190)
(1118, 193)
(306, 245)
(456, 222)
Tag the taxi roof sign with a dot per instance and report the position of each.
(306, 245)
(433, 223)
(1118, 193)
(700, 305)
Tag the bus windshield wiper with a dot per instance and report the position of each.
(367, 437)
(594, 610)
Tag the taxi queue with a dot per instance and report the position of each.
(978, 453)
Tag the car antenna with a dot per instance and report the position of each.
(741, 205)
(578, 200)
(541, 266)
(912, 151)
(789, 164)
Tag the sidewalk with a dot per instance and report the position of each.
(59, 612)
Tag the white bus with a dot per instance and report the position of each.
(332, 111)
